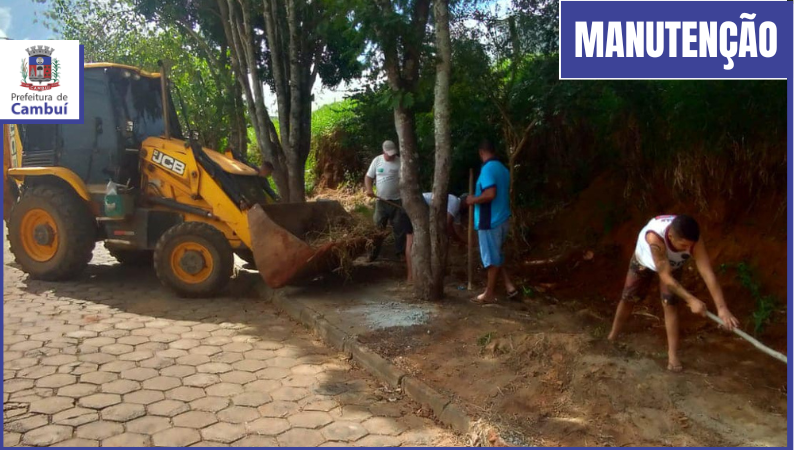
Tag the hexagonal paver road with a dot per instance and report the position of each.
(114, 359)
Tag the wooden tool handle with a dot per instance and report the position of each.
(777, 355)
(396, 205)
(470, 232)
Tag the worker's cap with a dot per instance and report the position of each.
(389, 148)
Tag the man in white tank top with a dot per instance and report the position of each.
(664, 245)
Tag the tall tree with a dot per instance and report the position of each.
(441, 175)
(523, 46)
(238, 28)
(400, 32)
(304, 41)
(401, 36)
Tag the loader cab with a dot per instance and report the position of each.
(122, 108)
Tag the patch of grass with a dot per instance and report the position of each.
(527, 291)
(765, 304)
(484, 340)
(364, 210)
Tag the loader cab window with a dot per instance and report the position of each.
(138, 99)
(39, 142)
(90, 149)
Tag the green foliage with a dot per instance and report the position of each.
(325, 121)
(328, 117)
(334, 128)
(24, 70)
(505, 77)
(113, 31)
(765, 304)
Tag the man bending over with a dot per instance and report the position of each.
(664, 245)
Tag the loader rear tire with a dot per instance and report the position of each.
(52, 233)
(193, 259)
(128, 257)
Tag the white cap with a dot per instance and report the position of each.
(389, 148)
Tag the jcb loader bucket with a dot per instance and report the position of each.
(279, 232)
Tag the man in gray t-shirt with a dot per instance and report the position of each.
(384, 175)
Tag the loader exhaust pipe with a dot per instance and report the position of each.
(164, 104)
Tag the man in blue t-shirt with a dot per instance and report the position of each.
(492, 214)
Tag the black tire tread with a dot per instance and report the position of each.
(79, 225)
(215, 238)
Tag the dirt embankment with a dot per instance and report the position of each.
(742, 243)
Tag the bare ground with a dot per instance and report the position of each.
(542, 371)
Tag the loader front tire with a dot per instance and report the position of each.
(193, 259)
(51, 233)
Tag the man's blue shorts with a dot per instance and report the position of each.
(491, 243)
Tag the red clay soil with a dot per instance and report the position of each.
(542, 371)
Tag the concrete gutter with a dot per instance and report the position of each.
(444, 409)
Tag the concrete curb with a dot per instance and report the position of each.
(443, 409)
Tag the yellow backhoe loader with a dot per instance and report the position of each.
(129, 178)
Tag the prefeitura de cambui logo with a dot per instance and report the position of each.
(40, 67)
(44, 84)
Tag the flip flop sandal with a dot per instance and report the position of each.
(512, 295)
(478, 301)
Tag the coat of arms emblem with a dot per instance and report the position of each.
(40, 67)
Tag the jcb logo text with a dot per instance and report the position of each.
(168, 162)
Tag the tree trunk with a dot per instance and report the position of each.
(243, 60)
(273, 153)
(441, 176)
(297, 171)
(512, 161)
(403, 76)
(413, 202)
(238, 137)
(275, 18)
